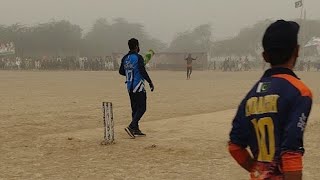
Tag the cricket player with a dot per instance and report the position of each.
(189, 60)
(272, 118)
(132, 66)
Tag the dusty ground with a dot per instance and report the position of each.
(187, 124)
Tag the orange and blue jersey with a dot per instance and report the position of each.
(271, 121)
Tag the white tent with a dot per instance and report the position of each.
(315, 41)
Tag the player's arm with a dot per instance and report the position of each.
(292, 145)
(143, 70)
(121, 69)
(242, 156)
(238, 140)
(292, 165)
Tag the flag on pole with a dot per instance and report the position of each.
(298, 4)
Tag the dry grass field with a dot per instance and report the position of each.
(51, 126)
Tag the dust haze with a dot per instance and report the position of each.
(59, 60)
(162, 19)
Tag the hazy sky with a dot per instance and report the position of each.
(162, 18)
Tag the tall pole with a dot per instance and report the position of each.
(304, 33)
(302, 19)
(301, 12)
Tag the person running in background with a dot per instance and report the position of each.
(272, 118)
(132, 66)
(189, 60)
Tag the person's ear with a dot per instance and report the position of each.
(296, 51)
(266, 57)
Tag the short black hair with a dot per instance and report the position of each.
(133, 43)
(280, 41)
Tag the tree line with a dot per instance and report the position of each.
(62, 38)
(249, 40)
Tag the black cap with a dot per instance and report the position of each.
(281, 35)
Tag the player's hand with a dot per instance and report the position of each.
(151, 87)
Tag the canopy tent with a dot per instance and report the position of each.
(314, 42)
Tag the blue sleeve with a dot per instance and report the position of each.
(121, 69)
(240, 128)
(295, 125)
(143, 70)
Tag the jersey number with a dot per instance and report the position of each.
(265, 137)
(129, 75)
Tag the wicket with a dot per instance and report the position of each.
(108, 122)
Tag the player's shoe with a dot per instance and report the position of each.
(138, 133)
(130, 132)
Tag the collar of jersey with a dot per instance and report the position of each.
(279, 70)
